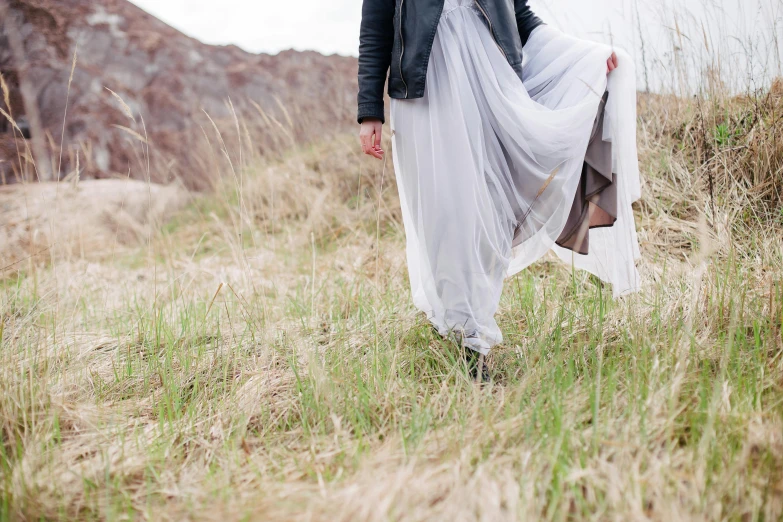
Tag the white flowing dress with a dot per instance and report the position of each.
(488, 166)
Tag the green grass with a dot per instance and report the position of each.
(260, 358)
(332, 399)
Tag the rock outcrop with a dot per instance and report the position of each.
(165, 83)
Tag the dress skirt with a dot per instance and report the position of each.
(494, 171)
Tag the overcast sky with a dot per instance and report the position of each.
(329, 26)
(332, 26)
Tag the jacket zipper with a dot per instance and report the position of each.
(402, 51)
(491, 31)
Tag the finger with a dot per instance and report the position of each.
(377, 152)
(615, 61)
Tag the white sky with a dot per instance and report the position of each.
(328, 26)
(332, 26)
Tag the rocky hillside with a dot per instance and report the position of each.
(170, 82)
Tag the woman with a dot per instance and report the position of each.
(509, 139)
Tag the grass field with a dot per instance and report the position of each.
(255, 355)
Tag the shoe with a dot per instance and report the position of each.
(477, 366)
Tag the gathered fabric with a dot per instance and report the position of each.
(494, 171)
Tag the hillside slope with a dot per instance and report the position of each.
(257, 356)
(166, 78)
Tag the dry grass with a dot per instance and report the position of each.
(86, 220)
(257, 357)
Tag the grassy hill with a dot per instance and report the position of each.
(252, 353)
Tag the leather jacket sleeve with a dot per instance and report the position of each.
(376, 40)
(526, 20)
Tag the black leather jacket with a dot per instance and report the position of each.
(396, 39)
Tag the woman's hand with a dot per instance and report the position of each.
(370, 137)
(611, 63)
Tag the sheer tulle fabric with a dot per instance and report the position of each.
(487, 167)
